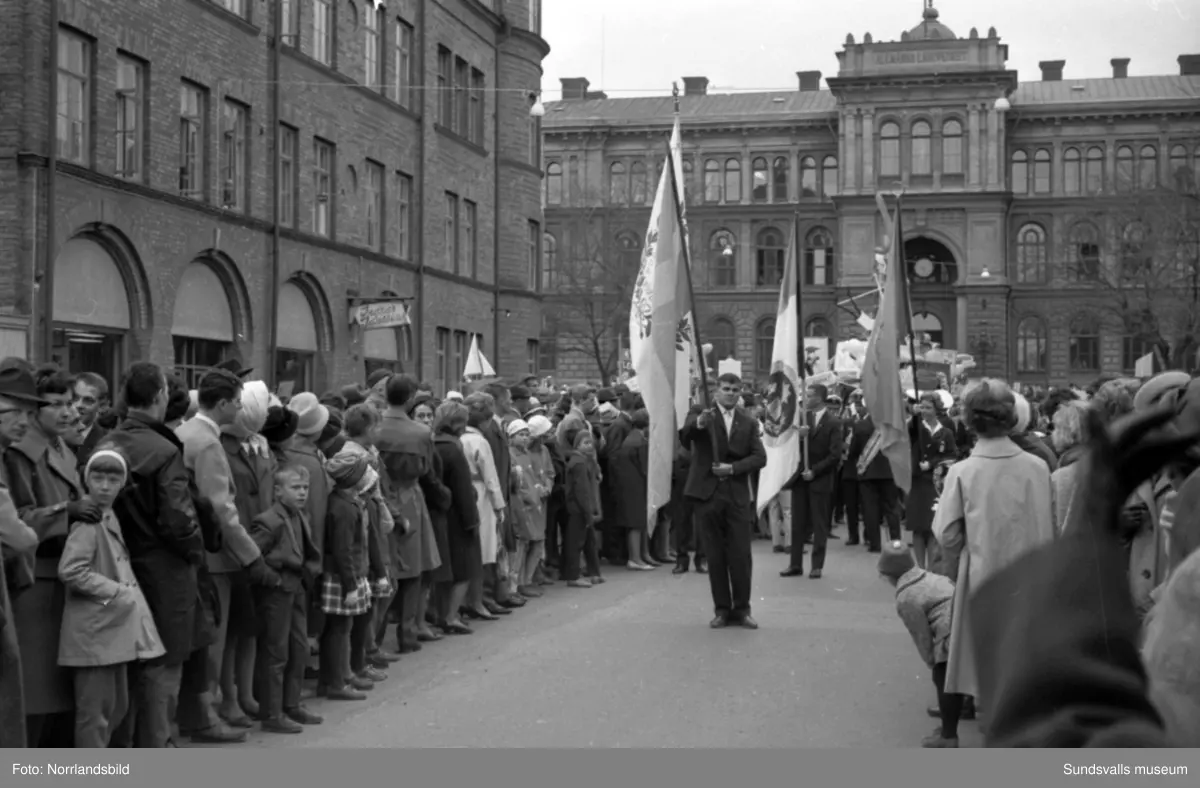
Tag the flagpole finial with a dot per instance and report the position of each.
(675, 95)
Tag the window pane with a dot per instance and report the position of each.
(1094, 175)
(762, 183)
(952, 153)
(733, 180)
(922, 154)
(1020, 173)
(829, 176)
(1041, 172)
(780, 179)
(808, 177)
(1072, 171)
(712, 181)
(889, 150)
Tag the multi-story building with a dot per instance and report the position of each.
(191, 180)
(1020, 200)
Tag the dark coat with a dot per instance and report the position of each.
(743, 449)
(438, 498)
(1037, 447)
(275, 531)
(161, 530)
(932, 449)
(825, 449)
(879, 469)
(253, 479)
(849, 470)
(627, 474)
(460, 520)
(84, 452)
(345, 539)
(583, 489)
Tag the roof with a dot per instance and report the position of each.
(930, 28)
(798, 105)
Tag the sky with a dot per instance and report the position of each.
(639, 47)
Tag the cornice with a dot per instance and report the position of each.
(696, 129)
(859, 84)
(1106, 112)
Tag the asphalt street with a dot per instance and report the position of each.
(633, 663)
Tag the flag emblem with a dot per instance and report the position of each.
(783, 400)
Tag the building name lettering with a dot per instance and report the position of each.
(927, 56)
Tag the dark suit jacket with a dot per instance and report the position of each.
(824, 454)
(84, 452)
(879, 469)
(742, 449)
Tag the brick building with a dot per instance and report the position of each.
(1019, 201)
(216, 195)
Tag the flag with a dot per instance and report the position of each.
(784, 412)
(881, 364)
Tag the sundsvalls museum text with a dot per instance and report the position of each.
(1121, 770)
(71, 770)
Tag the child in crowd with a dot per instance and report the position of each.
(541, 433)
(583, 509)
(346, 591)
(107, 624)
(284, 536)
(925, 602)
(528, 508)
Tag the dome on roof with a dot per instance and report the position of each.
(930, 28)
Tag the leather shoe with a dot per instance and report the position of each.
(679, 569)
(815, 574)
(720, 622)
(281, 725)
(748, 622)
(218, 734)
(344, 694)
(702, 565)
(792, 571)
(966, 714)
(303, 716)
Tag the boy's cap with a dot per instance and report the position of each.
(895, 560)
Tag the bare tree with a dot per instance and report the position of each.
(1150, 280)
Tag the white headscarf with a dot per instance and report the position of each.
(256, 401)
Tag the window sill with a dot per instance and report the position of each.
(242, 22)
(461, 140)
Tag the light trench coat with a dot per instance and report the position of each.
(996, 505)
(488, 493)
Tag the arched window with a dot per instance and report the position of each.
(722, 259)
(1072, 171)
(764, 346)
(1084, 252)
(723, 338)
(712, 181)
(1177, 166)
(762, 180)
(922, 148)
(637, 178)
(817, 328)
(618, 183)
(733, 180)
(1031, 254)
(808, 177)
(818, 257)
(549, 277)
(1041, 171)
(1148, 168)
(1084, 344)
(927, 327)
(1135, 263)
(1093, 175)
(952, 149)
(554, 183)
(769, 254)
(780, 177)
(889, 150)
(1031, 345)
(1125, 165)
(1019, 172)
(829, 176)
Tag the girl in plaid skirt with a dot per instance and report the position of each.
(345, 591)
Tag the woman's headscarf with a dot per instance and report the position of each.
(256, 403)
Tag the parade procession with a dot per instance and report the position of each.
(232, 514)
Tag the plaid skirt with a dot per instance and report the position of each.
(333, 599)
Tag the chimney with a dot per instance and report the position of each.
(574, 88)
(1052, 70)
(1189, 65)
(695, 86)
(1120, 67)
(809, 80)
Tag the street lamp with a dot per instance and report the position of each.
(537, 109)
(1002, 105)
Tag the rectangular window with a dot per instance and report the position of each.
(535, 16)
(462, 346)
(451, 235)
(234, 6)
(193, 101)
(532, 357)
(131, 97)
(478, 87)
(323, 31)
(470, 249)
(402, 79)
(234, 121)
(442, 350)
(445, 77)
(889, 157)
(535, 142)
(289, 174)
(952, 156)
(374, 205)
(323, 161)
(404, 215)
(462, 109)
(533, 264)
(372, 62)
(74, 97)
(289, 30)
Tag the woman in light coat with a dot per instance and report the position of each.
(488, 492)
(996, 505)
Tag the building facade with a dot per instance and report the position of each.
(1020, 198)
(188, 191)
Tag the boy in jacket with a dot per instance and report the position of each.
(583, 510)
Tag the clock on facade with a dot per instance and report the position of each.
(923, 268)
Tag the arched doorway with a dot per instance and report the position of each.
(933, 271)
(928, 327)
(203, 328)
(298, 340)
(91, 311)
(930, 262)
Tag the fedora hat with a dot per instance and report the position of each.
(234, 366)
(18, 384)
(311, 415)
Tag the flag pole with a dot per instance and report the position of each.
(801, 346)
(912, 344)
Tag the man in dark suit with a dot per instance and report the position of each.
(812, 489)
(877, 489)
(726, 450)
(90, 396)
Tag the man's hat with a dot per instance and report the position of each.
(234, 366)
(18, 384)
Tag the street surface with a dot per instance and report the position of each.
(633, 663)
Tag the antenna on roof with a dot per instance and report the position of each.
(675, 94)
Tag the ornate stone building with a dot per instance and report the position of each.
(1013, 196)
